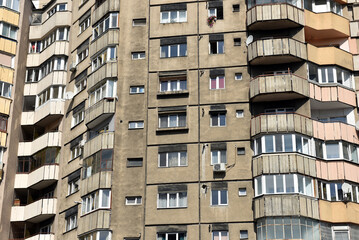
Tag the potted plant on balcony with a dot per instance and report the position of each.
(211, 20)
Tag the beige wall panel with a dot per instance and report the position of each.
(5, 105)
(9, 16)
(6, 74)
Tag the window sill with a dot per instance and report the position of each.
(172, 130)
(72, 127)
(173, 22)
(168, 94)
(173, 57)
(71, 195)
(169, 208)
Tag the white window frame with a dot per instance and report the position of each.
(137, 89)
(176, 20)
(345, 229)
(82, 55)
(91, 199)
(14, 4)
(172, 233)
(242, 192)
(169, 120)
(212, 14)
(217, 82)
(12, 30)
(137, 200)
(217, 46)
(243, 234)
(84, 25)
(138, 55)
(167, 159)
(102, 91)
(73, 186)
(168, 200)
(219, 154)
(76, 151)
(49, 95)
(100, 28)
(169, 83)
(2, 89)
(105, 56)
(96, 235)
(136, 124)
(78, 117)
(178, 46)
(56, 8)
(238, 76)
(71, 222)
(219, 197)
(80, 85)
(218, 115)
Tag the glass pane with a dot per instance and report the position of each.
(173, 159)
(269, 144)
(164, 51)
(280, 184)
(223, 156)
(173, 200)
(162, 200)
(345, 150)
(215, 197)
(289, 182)
(288, 144)
(278, 143)
(173, 85)
(173, 120)
(106, 198)
(341, 235)
(182, 16)
(221, 82)
(183, 50)
(308, 186)
(222, 119)
(300, 184)
(279, 232)
(182, 201)
(174, 50)
(174, 16)
(220, 46)
(224, 197)
(214, 119)
(163, 160)
(298, 143)
(164, 86)
(354, 153)
(214, 157)
(332, 150)
(333, 195)
(183, 158)
(182, 121)
(269, 183)
(330, 74)
(213, 83)
(259, 185)
(165, 16)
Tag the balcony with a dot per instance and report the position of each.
(354, 29)
(278, 87)
(45, 114)
(111, 37)
(102, 141)
(5, 105)
(276, 51)
(8, 46)
(330, 56)
(284, 163)
(51, 139)
(3, 137)
(34, 212)
(57, 20)
(325, 26)
(339, 212)
(273, 123)
(335, 131)
(9, 16)
(334, 93)
(108, 70)
(286, 205)
(53, 78)
(99, 219)
(39, 178)
(56, 48)
(337, 170)
(274, 16)
(98, 180)
(6, 74)
(356, 62)
(103, 9)
(99, 112)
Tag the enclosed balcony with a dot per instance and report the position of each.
(339, 212)
(42, 236)
(8, 46)
(51, 139)
(96, 181)
(108, 70)
(276, 51)
(102, 141)
(34, 212)
(277, 87)
(97, 220)
(104, 8)
(111, 37)
(9, 16)
(38, 179)
(98, 112)
(274, 15)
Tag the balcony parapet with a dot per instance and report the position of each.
(100, 111)
(36, 212)
(106, 7)
(50, 108)
(56, 48)
(102, 141)
(108, 70)
(332, 93)
(7, 74)
(98, 180)
(99, 219)
(51, 139)
(111, 37)
(45, 174)
(3, 138)
(5, 105)
(339, 212)
(337, 170)
(42, 236)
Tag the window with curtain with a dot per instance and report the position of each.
(172, 159)
(172, 200)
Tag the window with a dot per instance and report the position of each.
(139, 22)
(242, 192)
(340, 233)
(336, 150)
(59, 34)
(138, 55)
(216, 9)
(134, 162)
(53, 64)
(329, 74)
(5, 89)
(133, 200)
(71, 222)
(54, 92)
(171, 236)
(8, 30)
(98, 235)
(80, 84)
(217, 82)
(218, 119)
(76, 151)
(45, 229)
(173, 84)
(3, 123)
(98, 162)
(239, 113)
(13, 4)
(237, 41)
(78, 117)
(235, 7)
(58, 8)
(335, 191)
(220, 235)
(108, 55)
(174, 16)
(218, 156)
(216, 47)
(85, 24)
(135, 125)
(96, 200)
(172, 159)
(238, 76)
(109, 22)
(137, 89)
(35, 47)
(172, 120)
(176, 50)
(319, 6)
(241, 151)
(104, 90)
(243, 234)
(82, 55)
(172, 200)
(219, 197)
(73, 186)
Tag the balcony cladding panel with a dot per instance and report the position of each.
(286, 205)
(56, 48)
(99, 219)
(99, 111)
(9, 16)
(105, 8)
(335, 131)
(42, 236)
(274, 16)
(111, 37)
(108, 70)
(57, 20)
(278, 87)
(337, 170)
(325, 26)
(51, 139)
(5, 105)
(339, 212)
(7, 46)
(39, 178)
(35, 212)
(330, 56)
(96, 181)
(284, 163)
(273, 123)
(6, 74)
(3, 137)
(354, 29)
(49, 110)
(333, 93)
(102, 141)
(356, 62)
(276, 51)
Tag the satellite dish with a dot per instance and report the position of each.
(357, 125)
(69, 95)
(249, 40)
(346, 187)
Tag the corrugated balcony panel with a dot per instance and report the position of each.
(332, 93)
(102, 141)
(6, 74)
(99, 219)
(42, 236)
(9, 16)
(274, 16)
(286, 205)
(56, 48)
(35, 212)
(278, 87)
(99, 111)
(8, 46)
(339, 212)
(5, 105)
(51, 139)
(49, 109)
(284, 163)
(106, 7)
(276, 51)
(337, 170)
(273, 123)
(37, 179)
(356, 62)
(57, 20)
(3, 138)
(98, 180)
(108, 70)
(111, 37)
(354, 29)
(335, 131)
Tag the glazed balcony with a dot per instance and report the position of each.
(278, 87)
(9, 16)
(98, 180)
(3, 138)
(274, 16)
(46, 113)
(276, 51)
(108, 70)
(332, 93)
(325, 25)
(35, 212)
(53, 78)
(339, 212)
(56, 48)
(105, 8)
(284, 163)
(330, 56)
(99, 219)
(111, 37)
(100, 111)
(5, 105)
(38, 179)
(286, 205)
(102, 141)
(51, 139)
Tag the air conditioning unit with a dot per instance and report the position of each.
(219, 167)
(73, 67)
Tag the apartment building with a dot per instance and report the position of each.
(174, 120)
